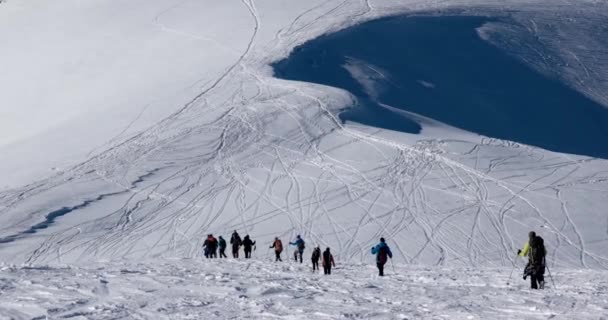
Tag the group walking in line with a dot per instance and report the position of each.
(534, 249)
(211, 246)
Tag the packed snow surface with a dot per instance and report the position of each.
(130, 129)
(260, 289)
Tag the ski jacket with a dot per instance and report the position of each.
(222, 243)
(328, 259)
(524, 251)
(381, 250)
(298, 243)
(210, 243)
(277, 245)
(247, 243)
(535, 255)
(316, 254)
(235, 240)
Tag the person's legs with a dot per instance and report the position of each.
(278, 256)
(380, 269)
(533, 281)
(541, 281)
(301, 254)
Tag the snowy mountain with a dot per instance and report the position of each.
(132, 129)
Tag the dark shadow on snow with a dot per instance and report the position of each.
(440, 68)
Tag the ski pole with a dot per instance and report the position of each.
(551, 277)
(393, 265)
(511, 274)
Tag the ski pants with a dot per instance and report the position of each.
(536, 280)
(247, 253)
(380, 266)
(223, 253)
(296, 253)
(315, 264)
(235, 251)
(327, 269)
(277, 256)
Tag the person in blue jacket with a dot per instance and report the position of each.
(382, 252)
(299, 243)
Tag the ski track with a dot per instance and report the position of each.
(270, 157)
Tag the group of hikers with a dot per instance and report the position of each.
(211, 246)
(534, 249)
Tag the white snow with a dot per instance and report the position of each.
(260, 289)
(160, 122)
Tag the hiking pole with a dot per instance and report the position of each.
(393, 265)
(551, 277)
(514, 265)
(511, 274)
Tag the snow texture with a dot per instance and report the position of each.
(191, 289)
(131, 129)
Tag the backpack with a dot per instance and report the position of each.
(316, 254)
(213, 243)
(235, 240)
(382, 255)
(301, 245)
(537, 251)
(278, 246)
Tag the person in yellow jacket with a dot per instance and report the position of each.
(535, 250)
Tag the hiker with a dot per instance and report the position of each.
(536, 252)
(235, 241)
(382, 252)
(278, 248)
(247, 245)
(222, 245)
(210, 245)
(299, 243)
(328, 261)
(316, 255)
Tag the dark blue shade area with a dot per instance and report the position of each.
(440, 68)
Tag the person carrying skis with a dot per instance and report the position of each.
(316, 255)
(382, 252)
(536, 252)
(222, 246)
(278, 248)
(247, 245)
(235, 241)
(328, 261)
(299, 243)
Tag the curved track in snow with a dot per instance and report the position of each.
(271, 158)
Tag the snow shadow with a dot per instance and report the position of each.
(439, 67)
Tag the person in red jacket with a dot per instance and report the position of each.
(328, 261)
(278, 248)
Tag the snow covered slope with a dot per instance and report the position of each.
(163, 123)
(191, 289)
(130, 129)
